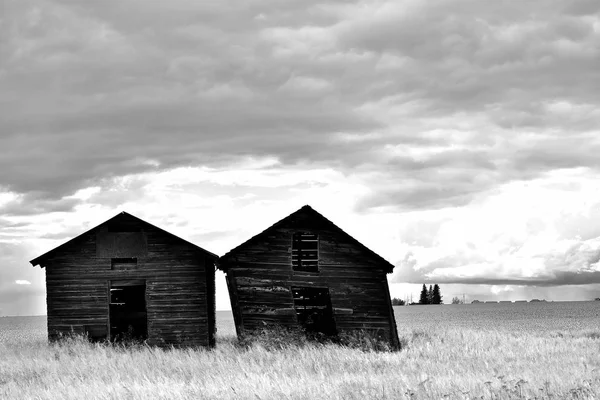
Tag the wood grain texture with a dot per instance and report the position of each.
(260, 276)
(179, 279)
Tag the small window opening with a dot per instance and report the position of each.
(314, 311)
(123, 263)
(305, 252)
(128, 316)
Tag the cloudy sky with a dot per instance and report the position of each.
(458, 139)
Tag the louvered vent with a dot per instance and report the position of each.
(305, 252)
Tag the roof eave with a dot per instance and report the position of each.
(35, 262)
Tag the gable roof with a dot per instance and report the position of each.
(388, 267)
(38, 260)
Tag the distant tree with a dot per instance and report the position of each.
(430, 295)
(424, 298)
(398, 302)
(457, 300)
(436, 296)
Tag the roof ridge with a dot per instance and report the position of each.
(309, 208)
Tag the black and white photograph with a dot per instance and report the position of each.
(299, 199)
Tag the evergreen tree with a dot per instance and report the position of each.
(430, 295)
(436, 296)
(397, 302)
(424, 299)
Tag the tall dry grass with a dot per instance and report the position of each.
(448, 364)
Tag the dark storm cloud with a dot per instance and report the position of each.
(554, 278)
(452, 178)
(554, 152)
(559, 278)
(449, 178)
(7, 224)
(90, 91)
(463, 55)
(34, 203)
(528, 71)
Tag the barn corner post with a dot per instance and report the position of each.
(128, 279)
(211, 305)
(395, 340)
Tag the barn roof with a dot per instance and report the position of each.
(38, 260)
(388, 267)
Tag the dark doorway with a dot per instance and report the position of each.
(128, 316)
(314, 311)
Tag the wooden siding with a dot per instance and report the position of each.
(260, 277)
(180, 297)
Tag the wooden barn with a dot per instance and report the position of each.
(306, 272)
(127, 278)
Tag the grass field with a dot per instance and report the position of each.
(452, 364)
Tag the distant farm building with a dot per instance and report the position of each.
(127, 278)
(306, 272)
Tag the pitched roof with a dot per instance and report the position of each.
(38, 260)
(389, 267)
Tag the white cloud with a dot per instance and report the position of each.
(539, 232)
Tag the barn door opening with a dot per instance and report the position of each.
(314, 311)
(128, 316)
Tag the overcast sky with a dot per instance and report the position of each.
(458, 139)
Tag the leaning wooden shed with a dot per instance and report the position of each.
(127, 278)
(306, 272)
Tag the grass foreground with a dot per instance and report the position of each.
(452, 364)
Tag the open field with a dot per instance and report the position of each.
(443, 362)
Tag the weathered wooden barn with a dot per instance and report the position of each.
(306, 272)
(127, 278)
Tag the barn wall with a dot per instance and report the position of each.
(179, 302)
(260, 277)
